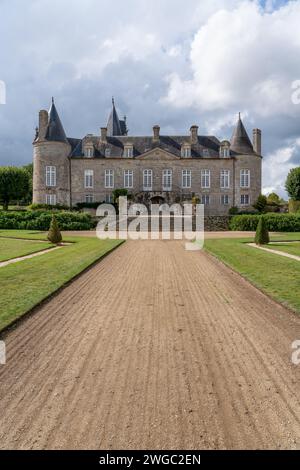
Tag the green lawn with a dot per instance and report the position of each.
(292, 248)
(276, 275)
(26, 283)
(14, 248)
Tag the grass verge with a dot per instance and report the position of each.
(277, 276)
(12, 248)
(25, 284)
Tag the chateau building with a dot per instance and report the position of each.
(154, 169)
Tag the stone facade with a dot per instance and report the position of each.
(69, 171)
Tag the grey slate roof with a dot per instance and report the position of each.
(55, 129)
(207, 146)
(240, 142)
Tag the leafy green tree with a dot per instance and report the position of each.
(273, 198)
(29, 170)
(262, 233)
(13, 184)
(119, 192)
(54, 235)
(261, 203)
(292, 184)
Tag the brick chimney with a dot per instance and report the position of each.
(43, 124)
(103, 134)
(194, 134)
(257, 141)
(156, 130)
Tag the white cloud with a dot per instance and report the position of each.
(243, 57)
(276, 166)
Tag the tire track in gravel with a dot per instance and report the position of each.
(153, 347)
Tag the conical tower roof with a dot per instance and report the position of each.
(240, 142)
(113, 124)
(55, 129)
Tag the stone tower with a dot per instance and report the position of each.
(247, 156)
(51, 164)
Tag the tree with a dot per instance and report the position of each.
(54, 235)
(29, 171)
(117, 193)
(260, 203)
(262, 233)
(13, 184)
(274, 199)
(292, 184)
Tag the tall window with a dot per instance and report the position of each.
(205, 199)
(205, 178)
(128, 152)
(167, 180)
(128, 178)
(147, 180)
(186, 151)
(245, 199)
(225, 179)
(51, 176)
(109, 178)
(89, 152)
(89, 198)
(224, 199)
(186, 178)
(89, 178)
(224, 152)
(51, 199)
(245, 178)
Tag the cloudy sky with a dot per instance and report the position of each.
(167, 62)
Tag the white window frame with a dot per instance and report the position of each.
(225, 179)
(186, 151)
(167, 177)
(89, 152)
(245, 178)
(225, 152)
(205, 199)
(89, 179)
(89, 198)
(147, 179)
(205, 179)
(51, 199)
(51, 176)
(224, 198)
(186, 179)
(243, 203)
(109, 178)
(128, 152)
(128, 179)
(108, 198)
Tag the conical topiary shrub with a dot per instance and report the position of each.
(54, 235)
(262, 234)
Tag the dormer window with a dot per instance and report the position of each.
(186, 151)
(89, 152)
(205, 153)
(107, 152)
(128, 151)
(225, 149)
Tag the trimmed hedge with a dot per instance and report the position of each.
(40, 220)
(48, 207)
(274, 222)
